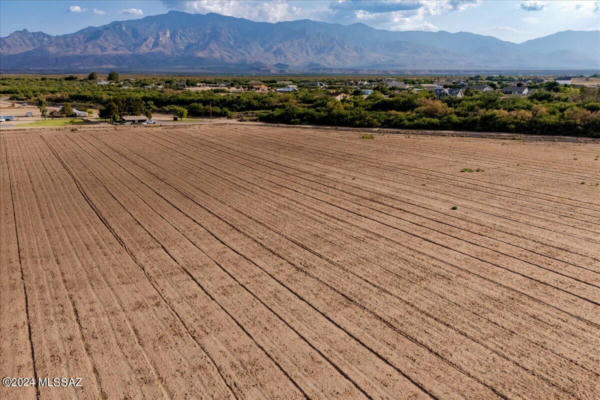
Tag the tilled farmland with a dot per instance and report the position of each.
(239, 261)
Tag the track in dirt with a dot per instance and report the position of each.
(234, 261)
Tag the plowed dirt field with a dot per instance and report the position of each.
(249, 262)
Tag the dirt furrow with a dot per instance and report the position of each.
(328, 143)
(388, 300)
(236, 351)
(446, 183)
(302, 318)
(465, 209)
(421, 216)
(16, 345)
(349, 309)
(221, 162)
(249, 314)
(217, 162)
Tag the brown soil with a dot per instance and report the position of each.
(237, 261)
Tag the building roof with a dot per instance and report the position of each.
(481, 88)
(134, 118)
(515, 90)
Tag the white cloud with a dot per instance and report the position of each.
(376, 6)
(76, 9)
(256, 10)
(98, 12)
(387, 14)
(132, 11)
(532, 5)
(398, 14)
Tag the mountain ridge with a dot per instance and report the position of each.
(214, 43)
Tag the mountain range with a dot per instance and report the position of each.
(213, 43)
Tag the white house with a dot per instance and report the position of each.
(516, 90)
(564, 80)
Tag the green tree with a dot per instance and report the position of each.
(93, 76)
(180, 112)
(109, 111)
(67, 109)
(113, 76)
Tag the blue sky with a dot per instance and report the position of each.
(514, 20)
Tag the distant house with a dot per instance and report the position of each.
(516, 90)
(442, 93)
(367, 92)
(258, 86)
(134, 119)
(431, 86)
(342, 96)
(78, 113)
(481, 88)
(102, 83)
(564, 80)
(287, 89)
(285, 83)
(314, 84)
(456, 92)
(75, 113)
(396, 84)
